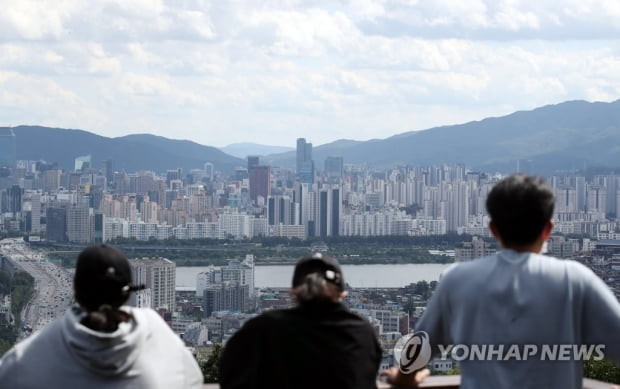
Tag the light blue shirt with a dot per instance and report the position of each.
(530, 301)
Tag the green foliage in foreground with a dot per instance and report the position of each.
(211, 368)
(603, 370)
(21, 287)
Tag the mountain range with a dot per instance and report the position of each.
(564, 136)
(130, 153)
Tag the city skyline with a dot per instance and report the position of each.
(226, 73)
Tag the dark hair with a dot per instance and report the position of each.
(520, 207)
(326, 266)
(313, 288)
(105, 319)
(102, 284)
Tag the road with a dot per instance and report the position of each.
(53, 285)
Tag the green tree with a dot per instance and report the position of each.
(211, 368)
(423, 289)
(602, 370)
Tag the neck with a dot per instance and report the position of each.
(535, 247)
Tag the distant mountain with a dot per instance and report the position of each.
(130, 153)
(565, 136)
(242, 150)
(554, 137)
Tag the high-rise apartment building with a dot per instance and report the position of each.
(596, 199)
(328, 212)
(226, 296)
(159, 276)
(241, 273)
(565, 199)
(282, 210)
(80, 226)
(32, 211)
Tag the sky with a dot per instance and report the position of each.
(270, 71)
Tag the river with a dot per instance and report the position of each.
(359, 276)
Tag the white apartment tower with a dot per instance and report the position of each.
(159, 275)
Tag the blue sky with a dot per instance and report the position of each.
(221, 72)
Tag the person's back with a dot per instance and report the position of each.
(66, 354)
(324, 346)
(100, 343)
(519, 319)
(318, 344)
(538, 305)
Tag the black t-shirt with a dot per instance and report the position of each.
(318, 345)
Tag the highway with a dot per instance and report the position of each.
(53, 285)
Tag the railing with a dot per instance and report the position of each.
(454, 382)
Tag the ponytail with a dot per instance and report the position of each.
(313, 288)
(105, 319)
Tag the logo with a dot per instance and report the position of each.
(412, 352)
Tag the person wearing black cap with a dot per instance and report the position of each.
(317, 344)
(102, 343)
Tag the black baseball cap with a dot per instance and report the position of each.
(325, 265)
(102, 277)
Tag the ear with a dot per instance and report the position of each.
(547, 230)
(494, 232)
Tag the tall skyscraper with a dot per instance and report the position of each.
(13, 200)
(305, 164)
(7, 148)
(32, 208)
(209, 171)
(56, 227)
(334, 168)
(108, 167)
(260, 182)
(328, 212)
(252, 161)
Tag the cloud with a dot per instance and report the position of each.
(220, 72)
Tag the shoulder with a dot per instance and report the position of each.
(458, 270)
(267, 319)
(43, 346)
(563, 268)
(146, 315)
(152, 325)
